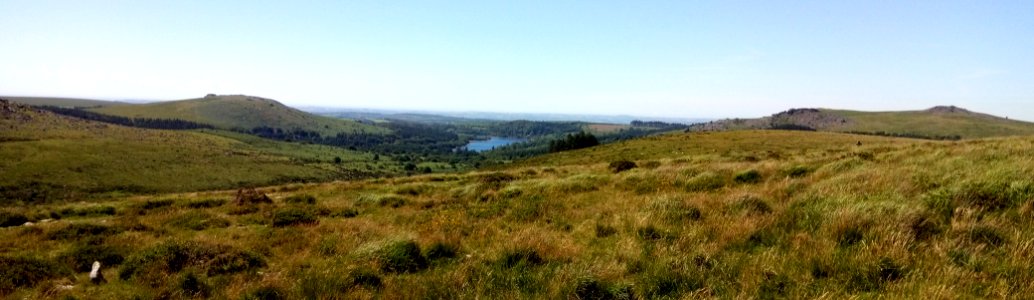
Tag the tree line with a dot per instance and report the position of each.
(153, 123)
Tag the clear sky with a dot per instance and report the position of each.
(653, 58)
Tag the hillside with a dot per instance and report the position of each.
(44, 156)
(241, 112)
(62, 102)
(746, 214)
(936, 122)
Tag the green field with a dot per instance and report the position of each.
(46, 156)
(937, 122)
(965, 124)
(748, 214)
(62, 102)
(240, 112)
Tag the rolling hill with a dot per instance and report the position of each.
(62, 102)
(240, 112)
(48, 156)
(945, 122)
(743, 214)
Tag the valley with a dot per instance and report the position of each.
(656, 211)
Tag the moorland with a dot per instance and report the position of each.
(925, 204)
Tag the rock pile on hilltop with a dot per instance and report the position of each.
(14, 111)
(947, 109)
(795, 119)
(806, 117)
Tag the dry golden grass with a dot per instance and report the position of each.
(828, 218)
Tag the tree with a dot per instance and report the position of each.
(574, 141)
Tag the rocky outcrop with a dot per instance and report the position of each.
(793, 119)
(251, 196)
(807, 118)
(948, 110)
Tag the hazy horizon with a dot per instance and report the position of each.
(658, 59)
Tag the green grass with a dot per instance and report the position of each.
(240, 112)
(61, 102)
(812, 215)
(934, 123)
(46, 156)
(964, 124)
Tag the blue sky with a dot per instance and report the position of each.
(652, 58)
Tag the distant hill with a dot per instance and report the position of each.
(450, 116)
(944, 122)
(49, 156)
(63, 102)
(240, 112)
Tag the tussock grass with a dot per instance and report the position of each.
(27, 271)
(293, 216)
(920, 219)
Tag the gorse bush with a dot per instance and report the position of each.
(621, 166)
(293, 216)
(440, 251)
(748, 177)
(25, 271)
(173, 256)
(301, 199)
(992, 195)
(82, 256)
(401, 257)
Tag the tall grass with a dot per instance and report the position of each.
(919, 219)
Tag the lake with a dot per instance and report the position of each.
(491, 143)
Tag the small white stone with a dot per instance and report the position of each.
(28, 224)
(95, 275)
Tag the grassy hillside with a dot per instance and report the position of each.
(937, 122)
(43, 155)
(62, 102)
(240, 112)
(751, 214)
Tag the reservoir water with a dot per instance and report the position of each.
(491, 143)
